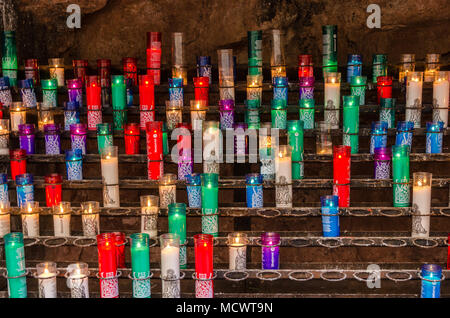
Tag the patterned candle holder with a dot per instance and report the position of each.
(31, 67)
(53, 189)
(15, 265)
(226, 109)
(78, 137)
(254, 52)
(280, 88)
(30, 218)
(194, 190)
(414, 84)
(201, 88)
(61, 219)
(49, 92)
(75, 90)
(400, 172)
(306, 113)
(18, 161)
(52, 139)
(432, 67)
(18, 115)
(5, 92)
(177, 226)
(93, 102)
(4, 137)
(71, 115)
(378, 136)
(252, 117)
(354, 66)
(204, 67)
(109, 160)
(4, 195)
(45, 116)
(132, 136)
(210, 203)
(198, 114)
(104, 136)
(154, 136)
(241, 147)
(174, 114)
(267, 159)
(27, 138)
(184, 149)
(295, 140)
(24, 188)
(107, 266)
(211, 146)
(149, 215)
(435, 134)
(9, 55)
(167, 189)
(279, 113)
(78, 280)
(387, 111)
(382, 161)
(146, 99)
(305, 66)
(431, 276)
(27, 93)
(330, 215)
(203, 248)
(254, 190)
(80, 69)
(283, 177)
(404, 133)
(237, 248)
(379, 66)
(74, 164)
(270, 250)
(407, 64)
(384, 87)
(306, 87)
(170, 268)
(176, 90)
(358, 88)
(332, 98)
(140, 265)
(90, 218)
(254, 91)
(119, 101)
(421, 204)
(5, 218)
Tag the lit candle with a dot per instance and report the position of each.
(387, 111)
(49, 92)
(306, 113)
(90, 218)
(17, 115)
(61, 219)
(15, 265)
(432, 66)
(119, 101)
(329, 48)
(305, 66)
(27, 138)
(350, 122)
(280, 88)
(295, 140)
(5, 92)
(71, 115)
(177, 226)
(140, 265)
(306, 87)
(18, 160)
(154, 56)
(237, 247)
(404, 133)
(283, 177)
(104, 136)
(78, 137)
(226, 74)
(194, 190)
(254, 190)
(31, 68)
(270, 250)
(378, 136)
(149, 215)
(198, 113)
(110, 176)
(53, 189)
(212, 140)
(441, 97)
(279, 113)
(170, 265)
(154, 136)
(201, 88)
(414, 81)
(341, 174)
(254, 91)
(210, 203)
(45, 116)
(167, 189)
(93, 102)
(4, 136)
(5, 218)
(46, 274)
(203, 248)
(24, 188)
(332, 98)
(30, 218)
(56, 69)
(379, 66)
(382, 162)
(330, 215)
(435, 134)
(431, 281)
(75, 90)
(174, 113)
(354, 66)
(400, 172)
(384, 87)
(28, 94)
(407, 64)
(421, 203)
(226, 109)
(78, 280)
(358, 88)
(52, 139)
(132, 136)
(74, 164)
(147, 99)
(107, 265)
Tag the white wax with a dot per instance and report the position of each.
(79, 285)
(58, 73)
(283, 174)
(170, 260)
(110, 170)
(237, 257)
(441, 96)
(151, 228)
(5, 224)
(30, 224)
(91, 224)
(61, 224)
(413, 92)
(167, 195)
(197, 117)
(421, 200)
(211, 144)
(332, 92)
(47, 286)
(17, 118)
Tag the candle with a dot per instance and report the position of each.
(252, 118)
(129, 65)
(56, 69)
(201, 88)
(241, 140)
(15, 265)
(404, 133)
(149, 215)
(400, 172)
(203, 248)
(212, 141)
(31, 67)
(45, 116)
(52, 139)
(435, 135)
(140, 265)
(174, 113)
(204, 67)
(18, 160)
(432, 66)
(379, 66)
(306, 87)
(27, 93)
(254, 91)
(170, 268)
(226, 109)
(270, 250)
(17, 115)
(74, 164)
(267, 159)
(305, 66)
(154, 56)
(24, 188)
(177, 226)
(354, 66)
(50, 92)
(104, 75)
(210, 203)
(378, 135)
(78, 280)
(341, 174)
(330, 215)
(280, 88)
(132, 136)
(324, 145)
(306, 113)
(178, 69)
(90, 218)
(5, 218)
(431, 276)
(4, 136)
(329, 48)
(119, 101)
(107, 265)
(46, 275)
(75, 90)
(283, 177)
(71, 115)
(254, 52)
(198, 113)
(176, 91)
(226, 73)
(104, 136)
(78, 137)
(154, 136)
(254, 190)
(332, 98)
(237, 247)
(93, 101)
(277, 62)
(167, 189)
(110, 176)
(61, 219)
(358, 88)
(350, 122)
(194, 190)
(279, 113)
(382, 162)
(80, 69)
(421, 203)
(5, 92)
(120, 241)
(387, 111)
(414, 82)
(184, 145)
(30, 218)
(53, 189)
(26, 138)
(146, 99)
(384, 87)
(441, 97)
(295, 140)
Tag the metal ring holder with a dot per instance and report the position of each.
(66, 275)
(356, 273)
(357, 212)
(391, 215)
(244, 274)
(258, 242)
(47, 241)
(409, 276)
(53, 276)
(277, 213)
(182, 275)
(321, 241)
(431, 280)
(433, 242)
(91, 241)
(34, 241)
(384, 242)
(124, 242)
(344, 276)
(109, 211)
(131, 276)
(293, 242)
(194, 277)
(260, 274)
(361, 242)
(5, 274)
(308, 277)
(441, 212)
(301, 214)
(154, 243)
(118, 274)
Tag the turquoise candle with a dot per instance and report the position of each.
(104, 136)
(351, 122)
(279, 113)
(295, 140)
(119, 101)
(15, 265)
(210, 203)
(140, 264)
(177, 225)
(400, 173)
(306, 111)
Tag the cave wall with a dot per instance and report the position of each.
(117, 28)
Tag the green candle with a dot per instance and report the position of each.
(165, 139)
(279, 113)
(140, 264)
(49, 92)
(9, 56)
(400, 175)
(252, 118)
(254, 52)
(387, 111)
(379, 66)
(119, 101)
(329, 46)
(210, 204)
(177, 225)
(15, 265)
(351, 122)
(295, 140)
(358, 88)
(307, 112)
(104, 136)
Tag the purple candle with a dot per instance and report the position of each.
(26, 137)
(382, 161)
(226, 108)
(75, 90)
(240, 139)
(270, 242)
(52, 139)
(306, 87)
(78, 137)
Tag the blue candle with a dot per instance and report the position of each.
(431, 281)
(27, 93)
(204, 67)
(404, 133)
(254, 189)
(24, 188)
(74, 164)
(378, 135)
(330, 215)
(194, 190)
(4, 197)
(354, 66)
(280, 88)
(71, 114)
(435, 132)
(176, 90)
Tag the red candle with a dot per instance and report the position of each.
(120, 248)
(80, 69)
(146, 100)
(130, 69)
(18, 158)
(53, 189)
(104, 72)
(132, 136)
(154, 149)
(154, 56)
(384, 87)
(32, 70)
(1, 110)
(107, 265)
(93, 101)
(305, 66)
(201, 88)
(341, 174)
(184, 140)
(203, 246)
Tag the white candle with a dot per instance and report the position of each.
(5, 224)
(170, 261)
(90, 218)
(283, 177)
(47, 284)
(211, 147)
(18, 117)
(77, 280)
(332, 94)
(30, 224)
(167, 195)
(110, 176)
(414, 97)
(170, 265)
(61, 223)
(198, 114)
(441, 97)
(421, 204)
(58, 73)
(149, 221)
